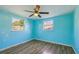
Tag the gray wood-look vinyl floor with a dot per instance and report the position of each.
(39, 47)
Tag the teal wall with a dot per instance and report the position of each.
(62, 32)
(7, 36)
(76, 30)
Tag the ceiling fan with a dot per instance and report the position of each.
(36, 11)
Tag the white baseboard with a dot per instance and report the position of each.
(60, 44)
(14, 45)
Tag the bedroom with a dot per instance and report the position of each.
(55, 32)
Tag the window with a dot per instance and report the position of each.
(47, 25)
(17, 25)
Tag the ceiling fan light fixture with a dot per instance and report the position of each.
(35, 14)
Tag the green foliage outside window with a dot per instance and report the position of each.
(18, 23)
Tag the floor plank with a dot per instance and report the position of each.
(39, 47)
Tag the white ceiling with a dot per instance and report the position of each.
(54, 10)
